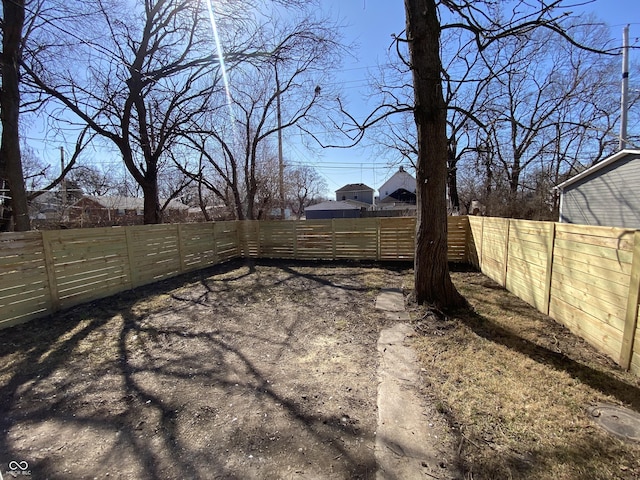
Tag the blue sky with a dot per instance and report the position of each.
(370, 24)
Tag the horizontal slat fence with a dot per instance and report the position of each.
(585, 277)
(43, 272)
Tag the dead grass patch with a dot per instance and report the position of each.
(515, 386)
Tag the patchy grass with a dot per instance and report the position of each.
(515, 387)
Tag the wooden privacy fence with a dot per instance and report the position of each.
(43, 272)
(585, 277)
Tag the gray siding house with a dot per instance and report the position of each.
(606, 194)
(355, 191)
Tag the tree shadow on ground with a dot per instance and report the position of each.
(144, 400)
(599, 380)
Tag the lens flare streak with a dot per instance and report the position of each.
(223, 68)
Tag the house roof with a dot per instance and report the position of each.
(355, 187)
(400, 195)
(590, 171)
(130, 203)
(401, 175)
(341, 205)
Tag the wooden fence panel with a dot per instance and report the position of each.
(249, 238)
(529, 252)
(156, 253)
(88, 264)
(315, 240)
(591, 304)
(227, 238)
(397, 238)
(495, 235)
(458, 232)
(278, 239)
(355, 239)
(198, 247)
(24, 283)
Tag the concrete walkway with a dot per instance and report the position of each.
(404, 443)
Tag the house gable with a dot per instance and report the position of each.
(606, 194)
(401, 180)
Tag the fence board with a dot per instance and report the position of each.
(600, 335)
(397, 238)
(631, 312)
(580, 275)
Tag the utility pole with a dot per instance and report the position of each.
(625, 87)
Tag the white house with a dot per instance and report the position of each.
(401, 180)
(398, 193)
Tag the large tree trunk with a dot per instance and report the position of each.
(152, 213)
(433, 283)
(10, 160)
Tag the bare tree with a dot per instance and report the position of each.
(144, 81)
(12, 185)
(486, 26)
(304, 186)
(270, 95)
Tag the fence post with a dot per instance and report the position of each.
(480, 260)
(506, 255)
(239, 249)
(215, 242)
(295, 238)
(333, 239)
(551, 241)
(51, 270)
(631, 317)
(467, 235)
(133, 275)
(181, 251)
(378, 238)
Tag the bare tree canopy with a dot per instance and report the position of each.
(485, 28)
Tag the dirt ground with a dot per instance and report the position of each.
(270, 371)
(240, 371)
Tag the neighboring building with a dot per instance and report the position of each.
(50, 209)
(214, 213)
(331, 209)
(605, 194)
(399, 181)
(398, 193)
(46, 207)
(98, 211)
(355, 191)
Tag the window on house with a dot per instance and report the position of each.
(355, 196)
(344, 197)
